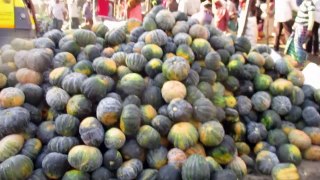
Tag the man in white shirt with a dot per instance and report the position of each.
(74, 14)
(58, 12)
(283, 18)
(189, 7)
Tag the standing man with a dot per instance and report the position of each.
(314, 41)
(189, 7)
(73, 14)
(283, 19)
(59, 13)
(87, 12)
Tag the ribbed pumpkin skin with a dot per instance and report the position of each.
(84, 67)
(196, 149)
(238, 166)
(158, 37)
(265, 161)
(300, 139)
(201, 48)
(173, 89)
(104, 66)
(100, 29)
(136, 62)
(314, 134)
(39, 59)
(66, 125)
(176, 68)
(151, 174)
(224, 152)
(11, 97)
(112, 159)
(115, 37)
(204, 110)
(114, 138)
(151, 51)
(101, 172)
(57, 98)
(165, 20)
(17, 167)
(46, 131)
(281, 87)
(285, 171)
(13, 120)
(289, 153)
(85, 158)
(162, 124)
(261, 101)
(91, 131)
(148, 113)
(183, 135)
(54, 165)
(132, 84)
(156, 158)
(185, 52)
(180, 110)
(312, 153)
(75, 174)
(84, 37)
(10, 146)
(311, 116)
(153, 67)
(62, 144)
(270, 119)
(196, 167)
(129, 169)
(64, 59)
(214, 166)
(25, 75)
(31, 148)
(33, 93)
(182, 38)
(38, 174)
(281, 104)
(130, 119)
(148, 137)
(211, 133)
(72, 82)
(79, 106)
(96, 87)
(132, 150)
(108, 111)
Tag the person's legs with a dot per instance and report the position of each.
(55, 23)
(74, 23)
(316, 38)
(59, 24)
(299, 39)
(278, 35)
(287, 28)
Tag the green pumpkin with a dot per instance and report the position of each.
(84, 67)
(114, 138)
(131, 150)
(285, 171)
(101, 173)
(243, 148)
(79, 106)
(281, 87)
(148, 137)
(157, 36)
(57, 98)
(261, 101)
(211, 133)
(96, 87)
(151, 51)
(244, 105)
(199, 31)
(311, 116)
(64, 59)
(10, 146)
(39, 59)
(169, 172)
(256, 59)
(204, 110)
(182, 38)
(156, 158)
(183, 135)
(162, 124)
(66, 125)
(201, 47)
(237, 131)
(196, 167)
(256, 132)
(270, 119)
(130, 169)
(281, 104)
(84, 37)
(100, 29)
(265, 161)
(153, 67)
(262, 145)
(85, 158)
(108, 111)
(62, 144)
(33, 93)
(206, 89)
(104, 66)
(289, 153)
(17, 167)
(57, 75)
(38, 174)
(231, 83)
(176, 68)
(54, 165)
(115, 37)
(235, 67)
(149, 23)
(148, 113)
(67, 44)
(193, 94)
(224, 152)
(148, 174)
(214, 166)
(91, 131)
(208, 76)
(192, 79)
(130, 119)
(262, 82)
(112, 159)
(277, 137)
(75, 174)
(31, 148)
(180, 110)
(242, 44)
(72, 82)
(46, 131)
(91, 51)
(297, 96)
(185, 52)
(238, 166)
(132, 84)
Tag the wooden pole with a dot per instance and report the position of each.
(267, 19)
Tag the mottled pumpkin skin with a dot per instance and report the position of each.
(176, 157)
(84, 67)
(196, 149)
(196, 167)
(281, 87)
(285, 171)
(176, 68)
(66, 125)
(157, 158)
(112, 159)
(104, 66)
(238, 166)
(224, 152)
(183, 135)
(72, 82)
(31, 148)
(130, 119)
(265, 161)
(85, 158)
(17, 167)
(132, 84)
(57, 98)
(10, 146)
(289, 153)
(300, 139)
(130, 169)
(108, 111)
(11, 97)
(91, 131)
(151, 51)
(75, 174)
(173, 89)
(79, 106)
(54, 165)
(204, 110)
(57, 75)
(211, 133)
(62, 144)
(114, 138)
(148, 137)
(96, 87)
(84, 37)
(148, 113)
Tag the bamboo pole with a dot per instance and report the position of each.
(267, 19)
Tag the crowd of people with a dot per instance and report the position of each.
(298, 20)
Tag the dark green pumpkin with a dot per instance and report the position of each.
(225, 174)
(57, 75)
(17, 167)
(261, 101)
(204, 110)
(196, 167)
(38, 174)
(84, 67)
(289, 153)
(91, 51)
(262, 82)
(192, 79)
(281, 87)
(270, 119)
(211, 133)
(67, 44)
(151, 51)
(114, 138)
(96, 87)
(297, 96)
(108, 111)
(112, 159)
(256, 58)
(156, 158)
(183, 135)
(294, 114)
(57, 98)
(263, 146)
(162, 124)
(72, 82)
(311, 116)
(224, 152)
(231, 83)
(176, 68)
(243, 148)
(148, 137)
(179, 110)
(62, 144)
(66, 125)
(35, 113)
(84, 37)
(238, 166)
(153, 67)
(91, 131)
(132, 99)
(46, 131)
(281, 104)
(33, 93)
(32, 148)
(256, 132)
(79, 106)
(148, 174)
(244, 105)
(242, 44)
(130, 119)
(157, 36)
(64, 59)
(131, 150)
(208, 76)
(148, 113)
(152, 95)
(75, 174)
(194, 94)
(132, 84)
(169, 172)
(277, 137)
(104, 66)
(85, 158)
(265, 161)
(201, 47)
(130, 169)
(100, 29)
(102, 173)
(39, 59)
(185, 52)
(54, 165)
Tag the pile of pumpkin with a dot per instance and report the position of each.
(166, 98)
